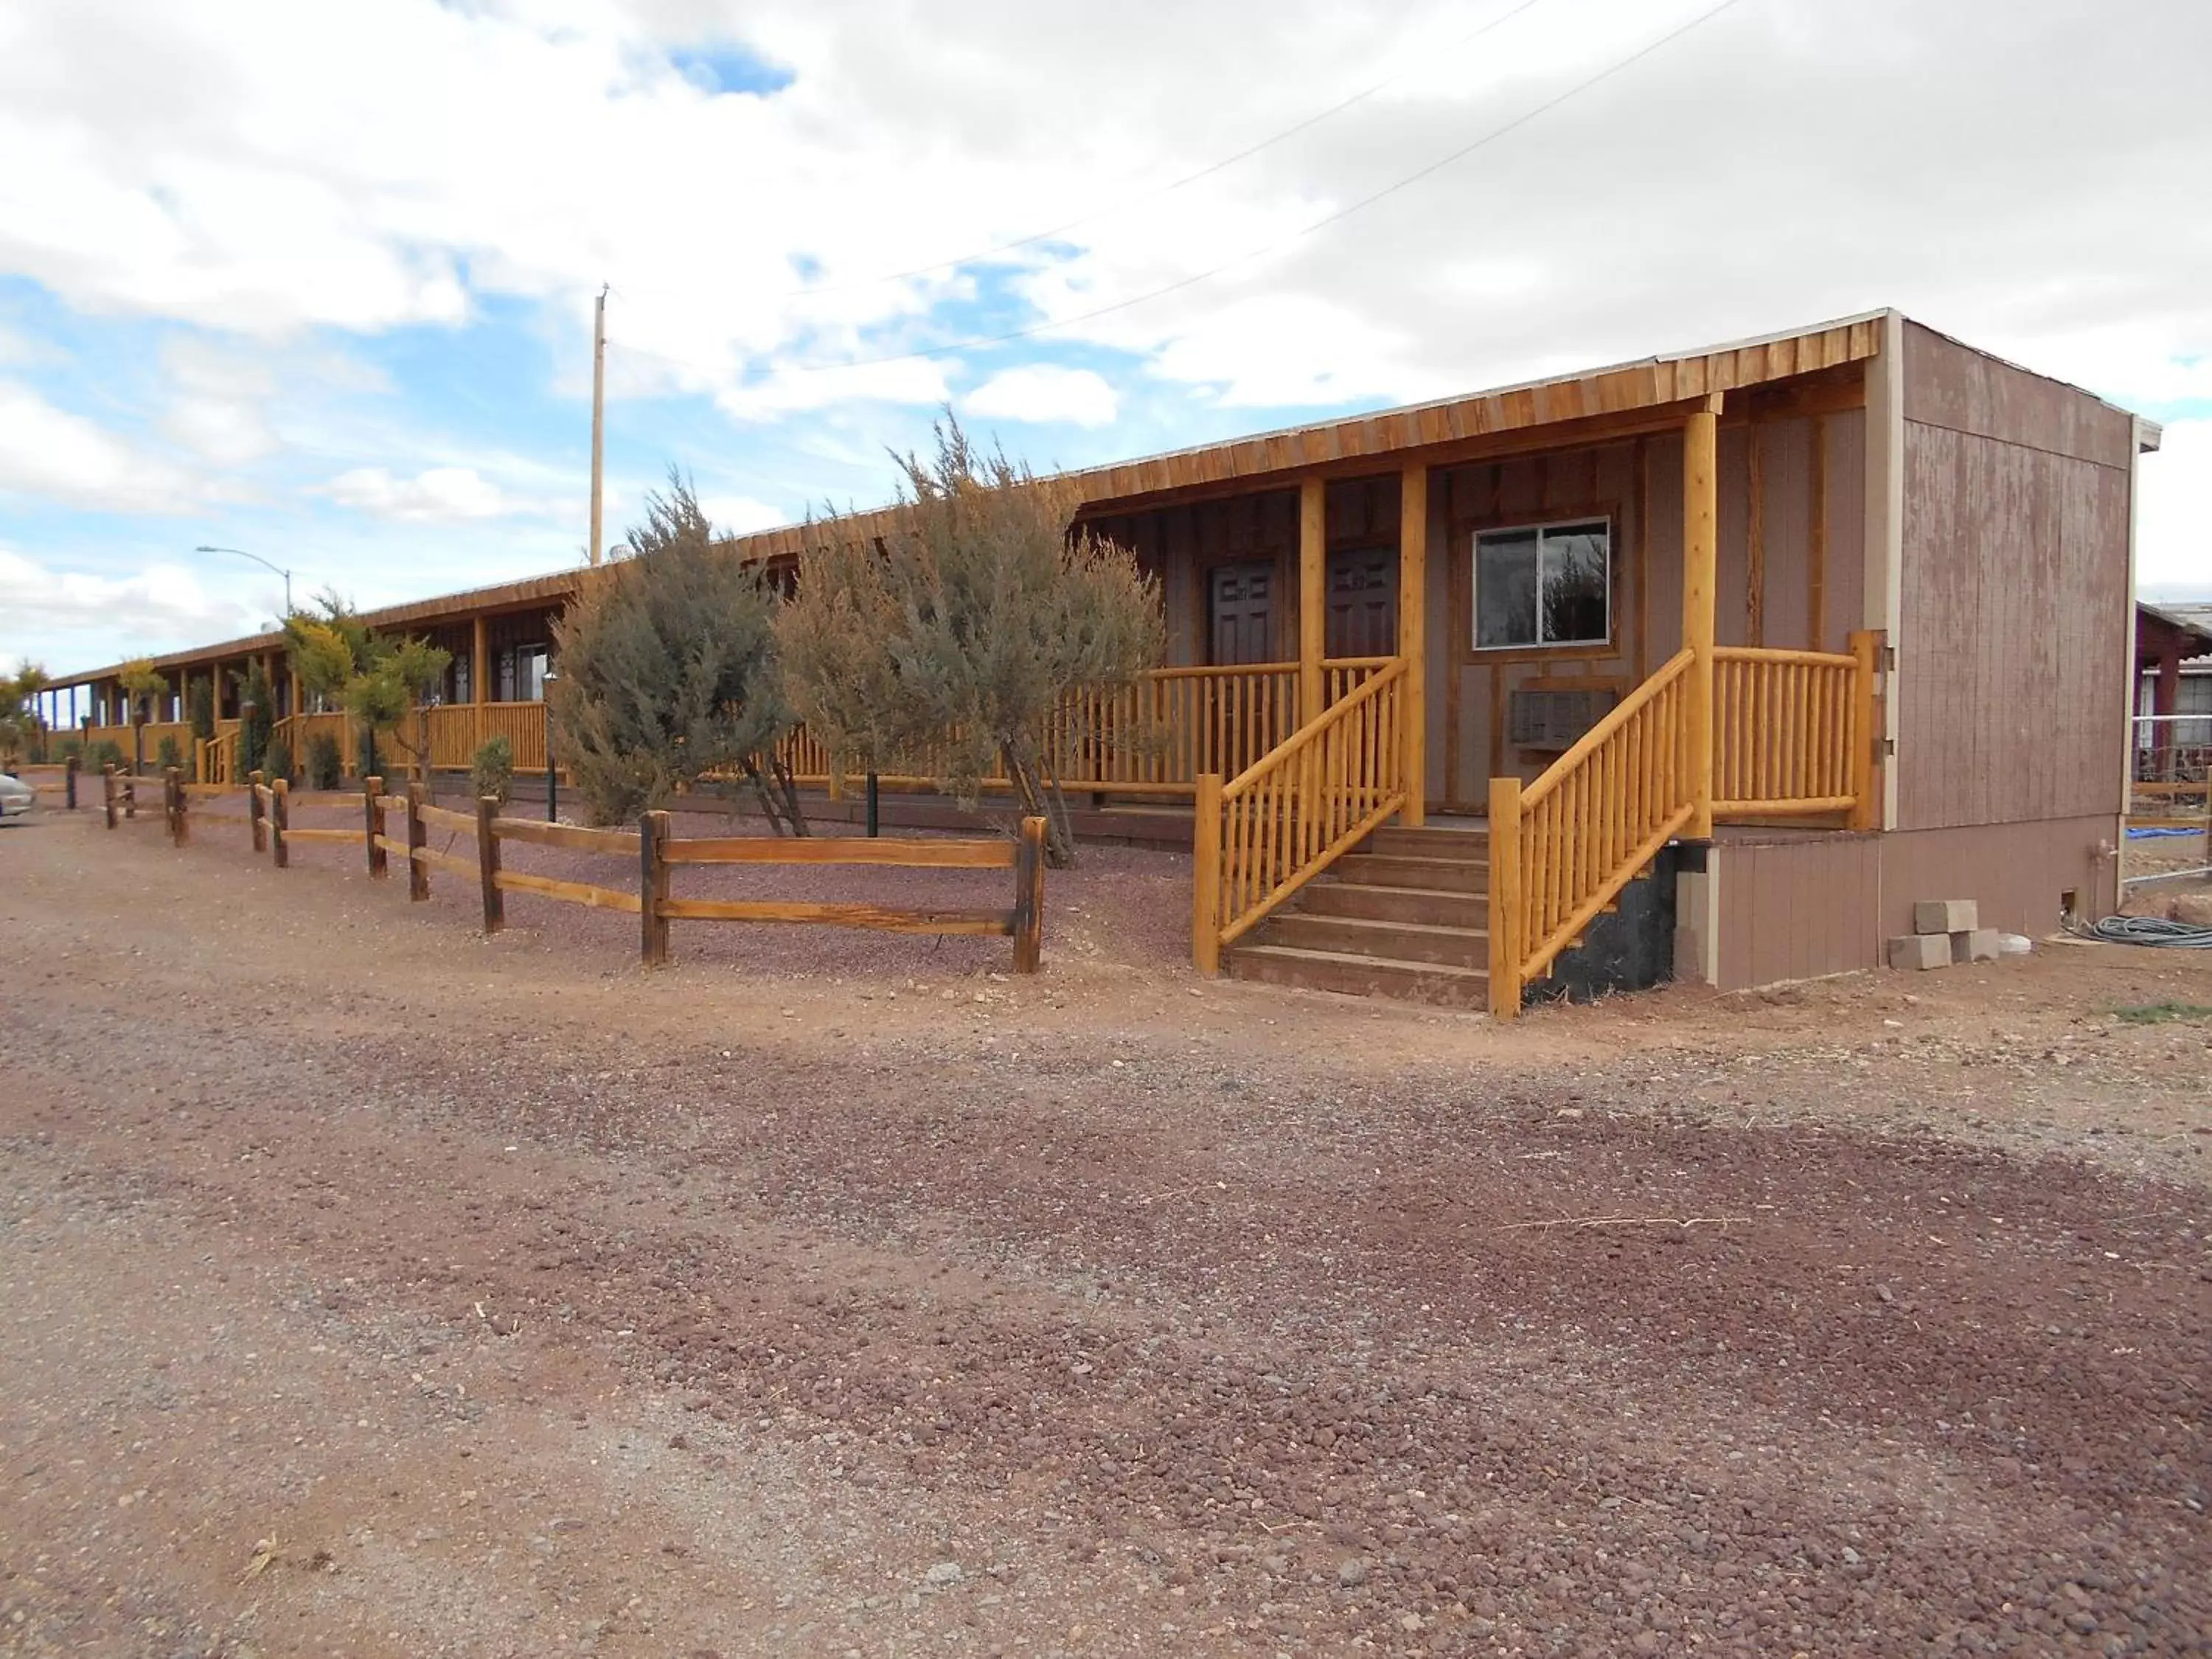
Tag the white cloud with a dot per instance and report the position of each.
(736, 515)
(161, 602)
(1045, 393)
(51, 453)
(438, 495)
(2174, 544)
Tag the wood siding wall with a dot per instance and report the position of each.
(1797, 907)
(2013, 648)
(1805, 537)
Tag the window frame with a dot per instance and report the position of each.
(1539, 646)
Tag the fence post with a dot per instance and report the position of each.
(1866, 813)
(108, 792)
(1205, 875)
(1028, 897)
(372, 795)
(418, 874)
(1505, 897)
(179, 827)
(494, 902)
(280, 819)
(651, 888)
(128, 785)
(253, 811)
(69, 769)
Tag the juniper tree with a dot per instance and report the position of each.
(141, 683)
(945, 641)
(384, 682)
(669, 672)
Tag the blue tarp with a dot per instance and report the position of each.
(2157, 832)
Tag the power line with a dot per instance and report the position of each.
(1335, 216)
(1168, 189)
(1304, 231)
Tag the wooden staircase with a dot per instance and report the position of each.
(1405, 915)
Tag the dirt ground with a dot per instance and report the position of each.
(374, 1289)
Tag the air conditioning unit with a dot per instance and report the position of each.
(1540, 717)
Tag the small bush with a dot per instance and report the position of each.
(105, 752)
(277, 762)
(326, 762)
(169, 754)
(492, 772)
(68, 746)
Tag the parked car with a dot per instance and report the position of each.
(17, 797)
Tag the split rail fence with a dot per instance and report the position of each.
(650, 850)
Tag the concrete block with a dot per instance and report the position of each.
(1945, 916)
(1975, 945)
(1920, 950)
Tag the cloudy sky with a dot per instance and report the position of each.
(315, 280)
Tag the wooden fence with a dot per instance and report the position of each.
(650, 851)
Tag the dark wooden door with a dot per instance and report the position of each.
(1243, 626)
(1363, 603)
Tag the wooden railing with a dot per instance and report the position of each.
(1793, 737)
(1560, 848)
(1152, 738)
(1791, 731)
(1283, 820)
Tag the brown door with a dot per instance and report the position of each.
(1363, 603)
(1243, 615)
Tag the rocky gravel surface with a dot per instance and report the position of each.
(373, 1288)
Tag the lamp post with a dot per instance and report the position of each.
(241, 553)
(552, 777)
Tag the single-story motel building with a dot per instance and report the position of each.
(1706, 666)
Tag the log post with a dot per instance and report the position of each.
(418, 874)
(1312, 595)
(1413, 637)
(1866, 809)
(372, 793)
(495, 900)
(651, 888)
(280, 819)
(1205, 875)
(108, 792)
(1700, 556)
(129, 785)
(1028, 897)
(1505, 913)
(179, 828)
(253, 811)
(70, 767)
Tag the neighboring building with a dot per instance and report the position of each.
(2173, 692)
(1813, 626)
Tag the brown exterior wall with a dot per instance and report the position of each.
(2014, 642)
(1803, 462)
(1799, 907)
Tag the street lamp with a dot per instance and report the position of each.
(263, 563)
(552, 778)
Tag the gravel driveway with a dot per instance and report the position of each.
(371, 1288)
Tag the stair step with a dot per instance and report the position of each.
(1380, 902)
(1361, 936)
(1357, 976)
(1426, 843)
(1430, 875)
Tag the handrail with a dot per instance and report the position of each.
(1287, 817)
(1599, 735)
(1563, 846)
(1791, 731)
(1793, 737)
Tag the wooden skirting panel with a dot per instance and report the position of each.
(1797, 907)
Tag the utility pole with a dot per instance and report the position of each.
(599, 411)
